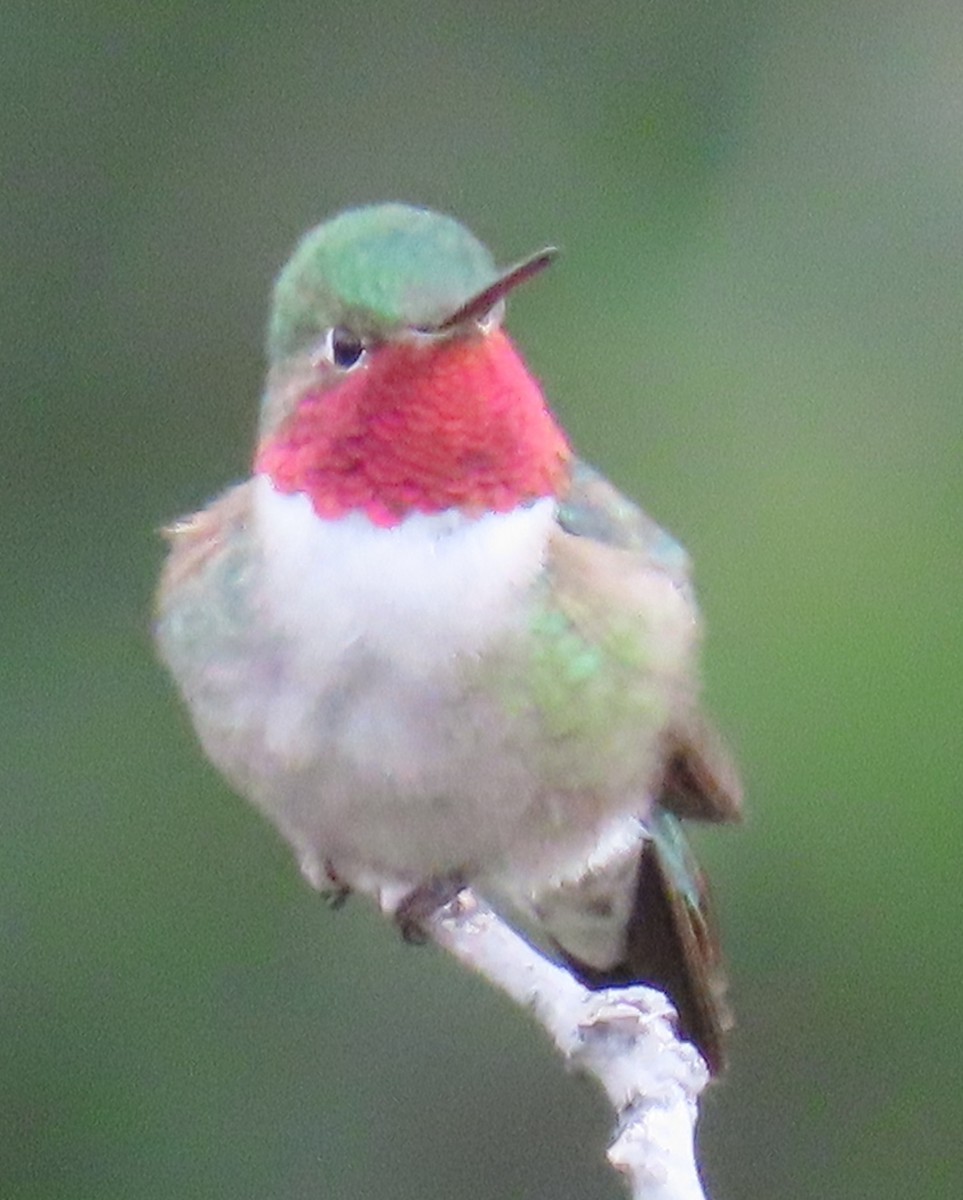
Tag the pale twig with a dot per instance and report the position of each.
(623, 1036)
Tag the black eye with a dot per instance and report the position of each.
(347, 348)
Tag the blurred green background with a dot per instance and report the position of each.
(755, 328)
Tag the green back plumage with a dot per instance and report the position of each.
(594, 509)
(376, 269)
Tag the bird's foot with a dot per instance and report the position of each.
(421, 903)
(335, 891)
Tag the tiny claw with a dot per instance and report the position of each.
(336, 894)
(336, 897)
(421, 904)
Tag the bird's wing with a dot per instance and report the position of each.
(612, 561)
(669, 938)
(204, 602)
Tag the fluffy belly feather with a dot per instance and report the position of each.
(371, 691)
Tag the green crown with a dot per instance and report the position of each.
(374, 270)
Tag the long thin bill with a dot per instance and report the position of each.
(485, 300)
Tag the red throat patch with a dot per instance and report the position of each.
(423, 428)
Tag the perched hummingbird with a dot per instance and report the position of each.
(434, 647)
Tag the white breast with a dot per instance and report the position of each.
(417, 595)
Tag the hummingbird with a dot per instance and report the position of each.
(437, 649)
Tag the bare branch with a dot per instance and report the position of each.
(622, 1036)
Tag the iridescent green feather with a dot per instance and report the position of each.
(595, 509)
(376, 269)
(591, 667)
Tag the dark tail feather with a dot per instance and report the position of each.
(671, 945)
